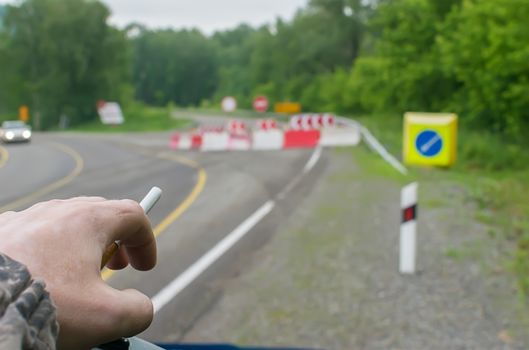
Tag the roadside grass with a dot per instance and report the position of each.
(138, 118)
(371, 167)
(494, 173)
(8, 116)
(470, 250)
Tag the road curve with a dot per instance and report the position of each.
(29, 170)
(206, 196)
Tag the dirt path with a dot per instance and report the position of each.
(329, 278)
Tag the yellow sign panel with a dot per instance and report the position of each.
(288, 107)
(23, 113)
(430, 139)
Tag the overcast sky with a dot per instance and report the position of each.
(207, 15)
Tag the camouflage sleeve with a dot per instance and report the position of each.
(27, 314)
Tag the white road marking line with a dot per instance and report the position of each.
(181, 282)
(187, 277)
(313, 160)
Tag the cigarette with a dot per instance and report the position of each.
(147, 203)
(150, 199)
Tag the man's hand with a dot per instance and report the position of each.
(62, 243)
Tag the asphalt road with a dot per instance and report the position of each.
(206, 196)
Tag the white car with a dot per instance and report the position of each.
(15, 131)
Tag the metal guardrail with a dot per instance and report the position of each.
(374, 144)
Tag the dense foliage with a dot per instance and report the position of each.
(2, 13)
(347, 56)
(471, 57)
(174, 66)
(60, 57)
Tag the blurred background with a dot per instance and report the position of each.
(468, 57)
(166, 62)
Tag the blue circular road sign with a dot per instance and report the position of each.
(429, 143)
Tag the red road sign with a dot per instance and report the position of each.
(260, 104)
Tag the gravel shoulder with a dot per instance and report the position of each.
(328, 278)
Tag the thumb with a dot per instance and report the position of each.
(101, 314)
(131, 310)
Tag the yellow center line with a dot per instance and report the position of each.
(173, 216)
(4, 156)
(182, 160)
(79, 164)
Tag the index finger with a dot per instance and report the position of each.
(128, 223)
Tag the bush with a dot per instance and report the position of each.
(489, 152)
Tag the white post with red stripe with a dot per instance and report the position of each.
(408, 229)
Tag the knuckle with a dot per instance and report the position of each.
(7, 216)
(128, 206)
(48, 204)
(93, 198)
(8, 213)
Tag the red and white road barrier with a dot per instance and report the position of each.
(266, 124)
(239, 142)
(215, 141)
(336, 137)
(237, 127)
(267, 140)
(275, 139)
(180, 141)
(239, 136)
(408, 229)
(301, 139)
(186, 141)
(312, 121)
(268, 136)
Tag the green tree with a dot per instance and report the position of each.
(350, 18)
(234, 48)
(174, 66)
(485, 46)
(2, 14)
(322, 38)
(404, 72)
(65, 58)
